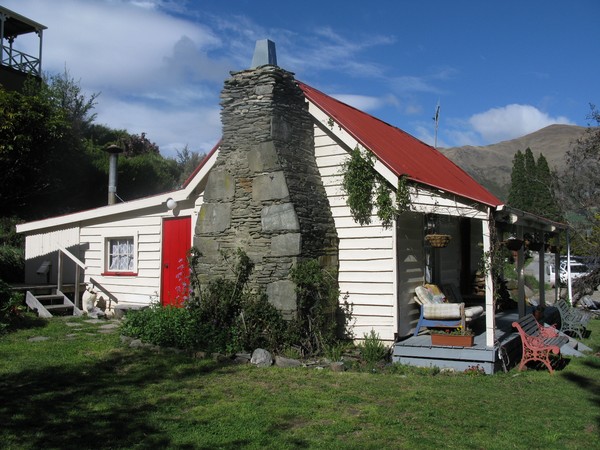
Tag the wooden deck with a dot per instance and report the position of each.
(418, 351)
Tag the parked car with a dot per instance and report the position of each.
(578, 269)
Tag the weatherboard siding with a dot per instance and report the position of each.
(147, 231)
(367, 274)
(88, 240)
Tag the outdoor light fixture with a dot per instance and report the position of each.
(171, 204)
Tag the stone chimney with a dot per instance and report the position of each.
(265, 194)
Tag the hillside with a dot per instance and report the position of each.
(491, 165)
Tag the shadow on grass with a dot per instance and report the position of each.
(26, 321)
(589, 384)
(94, 405)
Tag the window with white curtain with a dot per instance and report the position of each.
(121, 254)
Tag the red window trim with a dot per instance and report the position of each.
(119, 274)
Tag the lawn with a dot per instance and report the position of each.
(83, 389)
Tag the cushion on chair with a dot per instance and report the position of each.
(435, 290)
(424, 295)
(473, 312)
(438, 299)
(442, 311)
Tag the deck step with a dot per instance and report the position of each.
(50, 299)
(58, 307)
(48, 304)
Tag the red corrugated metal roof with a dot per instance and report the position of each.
(402, 153)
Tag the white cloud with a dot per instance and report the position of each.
(362, 102)
(153, 71)
(199, 128)
(511, 121)
(159, 65)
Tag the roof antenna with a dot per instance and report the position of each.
(436, 119)
(264, 54)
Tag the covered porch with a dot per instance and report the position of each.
(497, 345)
(418, 350)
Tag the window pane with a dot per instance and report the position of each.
(121, 254)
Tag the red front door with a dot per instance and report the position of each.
(176, 242)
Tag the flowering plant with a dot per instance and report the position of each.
(458, 331)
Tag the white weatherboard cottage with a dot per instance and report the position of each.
(378, 268)
(133, 252)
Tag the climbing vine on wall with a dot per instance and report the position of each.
(358, 184)
(366, 189)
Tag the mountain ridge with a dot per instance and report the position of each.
(491, 165)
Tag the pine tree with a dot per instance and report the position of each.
(545, 203)
(529, 187)
(518, 181)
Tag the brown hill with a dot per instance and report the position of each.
(491, 165)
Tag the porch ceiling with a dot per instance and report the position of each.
(507, 217)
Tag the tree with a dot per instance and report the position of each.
(52, 156)
(532, 188)
(545, 203)
(187, 161)
(32, 133)
(518, 181)
(67, 96)
(579, 185)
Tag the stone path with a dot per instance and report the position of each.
(87, 327)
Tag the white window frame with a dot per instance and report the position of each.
(107, 254)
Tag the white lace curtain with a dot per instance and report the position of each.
(121, 254)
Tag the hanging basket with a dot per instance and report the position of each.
(438, 240)
(513, 244)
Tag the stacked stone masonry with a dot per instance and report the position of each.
(264, 194)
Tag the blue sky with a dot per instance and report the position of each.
(499, 69)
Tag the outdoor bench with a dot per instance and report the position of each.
(572, 319)
(538, 341)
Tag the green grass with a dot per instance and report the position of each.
(88, 391)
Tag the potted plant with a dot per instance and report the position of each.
(458, 337)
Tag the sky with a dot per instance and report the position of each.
(497, 69)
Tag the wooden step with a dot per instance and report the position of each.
(58, 307)
(57, 303)
(50, 299)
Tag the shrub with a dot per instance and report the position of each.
(12, 263)
(166, 326)
(372, 349)
(260, 325)
(226, 316)
(320, 321)
(11, 306)
(216, 307)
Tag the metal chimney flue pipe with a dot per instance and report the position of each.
(113, 151)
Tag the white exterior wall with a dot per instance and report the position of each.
(145, 226)
(367, 268)
(379, 269)
(146, 230)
